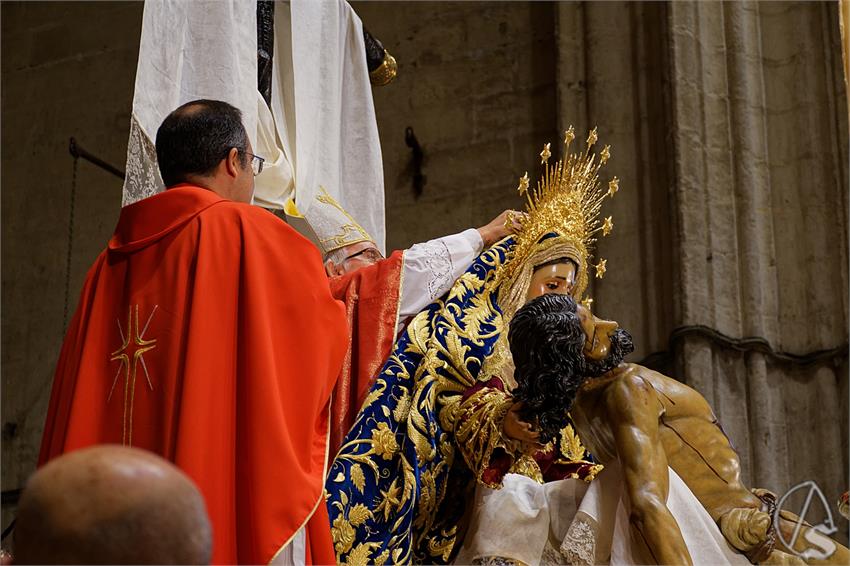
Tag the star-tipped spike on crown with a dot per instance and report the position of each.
(591, 137)
(545, 154)
(523, 184)
(601, 267)
(566, 202)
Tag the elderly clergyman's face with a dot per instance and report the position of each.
(360, 255)
(353, 257)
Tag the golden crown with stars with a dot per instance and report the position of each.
(566, 202)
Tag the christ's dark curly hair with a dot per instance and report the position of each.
(546, 339)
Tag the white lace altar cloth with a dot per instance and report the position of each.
(588, 523)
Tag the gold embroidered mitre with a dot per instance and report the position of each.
(562, 217)
(334, 227)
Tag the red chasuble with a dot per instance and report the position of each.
(206, 332)
(371, 295)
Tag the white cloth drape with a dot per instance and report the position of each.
(188, 50)
(324, 115)
(599, 532)
(320, 130)
(570, 521)
(521, 519)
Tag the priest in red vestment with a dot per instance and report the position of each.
(382, 294)
(206, 332)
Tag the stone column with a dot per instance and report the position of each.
(729, 133)
(760, 196)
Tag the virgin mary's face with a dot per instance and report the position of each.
(556, 278)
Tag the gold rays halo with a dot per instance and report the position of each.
(566, 202)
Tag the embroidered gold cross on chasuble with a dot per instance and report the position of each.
(130, 355)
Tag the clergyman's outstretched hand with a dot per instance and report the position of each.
(506, 223)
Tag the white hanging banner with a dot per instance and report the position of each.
(324, 114)
(188, 50)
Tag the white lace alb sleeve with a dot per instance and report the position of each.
(431, 268)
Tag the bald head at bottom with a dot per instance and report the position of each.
(111, 505)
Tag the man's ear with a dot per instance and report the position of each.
(333, 269)
(232, 162)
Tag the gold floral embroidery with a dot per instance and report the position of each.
(361, 554)
(375, 393)
(390, 500)
(357, 477)
(527, 466)
(573, 451)
(383, 441)
(442, 545)
(344, 526)
(571, 446)
(358, 514)
(343, 534)
(403, 407)
(381, 559)
(479, 430)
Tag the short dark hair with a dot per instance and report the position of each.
(193, 139)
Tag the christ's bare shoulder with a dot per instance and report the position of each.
(626, 391)
(679, 400)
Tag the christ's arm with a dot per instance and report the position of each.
(633, 413)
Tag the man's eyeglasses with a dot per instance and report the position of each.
(369, 253)
(256, 163)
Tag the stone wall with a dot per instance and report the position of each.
(760, 135)
(476, 83)
(67, 70)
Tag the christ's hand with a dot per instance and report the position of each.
(517, 429)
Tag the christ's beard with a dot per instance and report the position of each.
(621, 346)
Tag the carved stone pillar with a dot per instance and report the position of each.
(728, 128)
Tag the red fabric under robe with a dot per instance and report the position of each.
(371, 296)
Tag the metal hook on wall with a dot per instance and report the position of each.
(77, 151)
